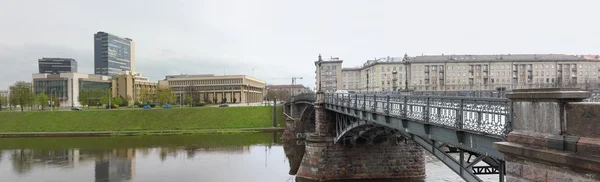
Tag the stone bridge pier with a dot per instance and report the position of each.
(556, 137)
(300, 119)
(393, 158)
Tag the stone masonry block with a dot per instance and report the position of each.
(555, 176)
(534, 173)
(514, 168)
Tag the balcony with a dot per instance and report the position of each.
(395, 79)
(574, 69)
(394, 72)
(441, 70)
(426, 70)
(471, 70)
(530, 76)
(529, 70)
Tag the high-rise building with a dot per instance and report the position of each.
(113, 54)
(57, 65)
(329, 74)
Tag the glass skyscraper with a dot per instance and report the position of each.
(112, 54)
(57, 65)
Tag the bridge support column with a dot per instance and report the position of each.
(551, 138)
(325, 160)
(290, 129)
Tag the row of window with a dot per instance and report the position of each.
(206, 82)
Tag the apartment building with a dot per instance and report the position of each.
(329, 74)
(350, 79)
(473, 73)
(383, 75)
(493, 72)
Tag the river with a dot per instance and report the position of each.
(215, 157)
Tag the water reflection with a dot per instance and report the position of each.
(235, 157)
(294, 151)
(118, 165)
(162, 158)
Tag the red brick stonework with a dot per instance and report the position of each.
(324, 160)
(290, 130)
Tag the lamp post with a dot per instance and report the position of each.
(51, 99)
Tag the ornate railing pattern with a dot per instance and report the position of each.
(490, 116)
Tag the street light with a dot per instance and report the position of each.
(51, 99)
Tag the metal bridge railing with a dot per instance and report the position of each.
(490, 116)
(311, 97)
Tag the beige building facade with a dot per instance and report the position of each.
(502, 72)
(244, 89)
(470, 73)
(129, 85)
(329, 74)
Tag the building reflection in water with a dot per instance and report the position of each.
(23, 160)
(115, 165)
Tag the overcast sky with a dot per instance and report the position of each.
(279, 39)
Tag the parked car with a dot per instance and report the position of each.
(167, 106)
(344, 93)
(223, 105)
(76, 109)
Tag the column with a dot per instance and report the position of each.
(555, 137)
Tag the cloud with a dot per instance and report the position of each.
(19, 62)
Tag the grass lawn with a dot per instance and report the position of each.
(139, 119)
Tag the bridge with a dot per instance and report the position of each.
(472, 136)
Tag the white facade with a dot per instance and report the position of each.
(67, 89)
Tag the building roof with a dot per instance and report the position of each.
(351, 69)
(285, 86)
(501, 57)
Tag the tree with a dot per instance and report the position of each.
(234, 100)
(42, 99)
(3, 102)
(224, 100)
(165, 95)
(84, 97)
(54, 99)
(21, 94)
(96, 96)
(188, 100)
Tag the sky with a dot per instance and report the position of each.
(275, 40)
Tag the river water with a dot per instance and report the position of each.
(215, 157)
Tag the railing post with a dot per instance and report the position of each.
(356, 101)
(387, 109)
(364, 102)
(459, 115)
(426, 110)
(374, 107)
(405, 107)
